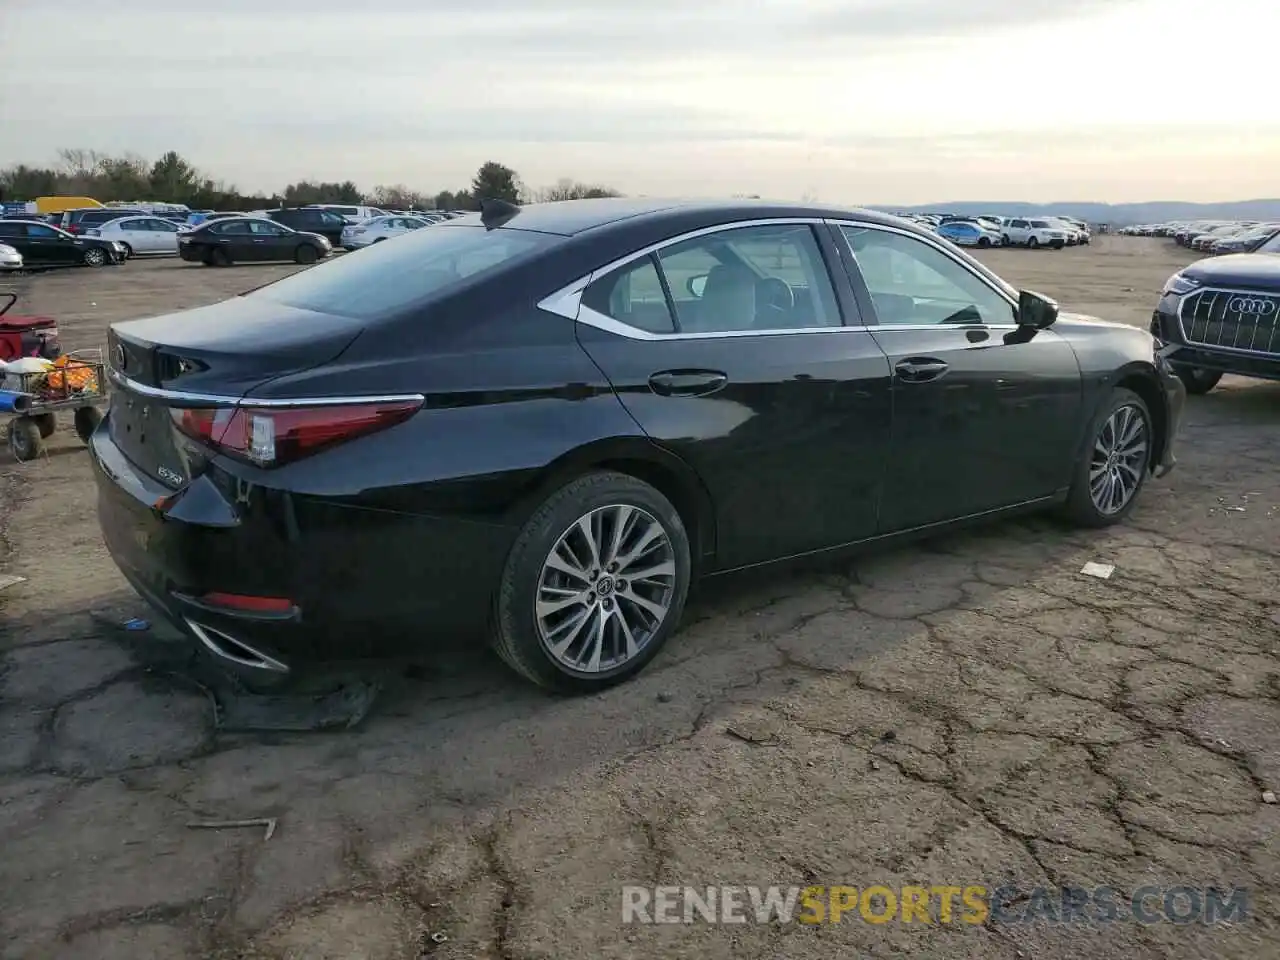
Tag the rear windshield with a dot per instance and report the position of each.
(387, 277)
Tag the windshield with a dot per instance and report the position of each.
(388, 277)
(1271, 246)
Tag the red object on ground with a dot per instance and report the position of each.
(27, 336)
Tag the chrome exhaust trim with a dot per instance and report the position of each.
(227, 647)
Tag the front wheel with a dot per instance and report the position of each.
(25, 442)
(128, 251)
(87, 420)
(95, 257)
(594, 586)
(1197, 380)
(984, 242)
(218, 258)
(1115, 464)
(306, 254)
(1032, 243)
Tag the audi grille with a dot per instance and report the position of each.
(1232, 320)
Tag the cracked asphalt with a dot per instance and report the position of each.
(967, 710)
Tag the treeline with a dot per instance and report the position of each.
(172, 179)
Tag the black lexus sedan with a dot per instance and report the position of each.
(1222, 315)
(546, 421)
(44, 245)
(229, 240)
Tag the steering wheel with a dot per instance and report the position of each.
(774, 298)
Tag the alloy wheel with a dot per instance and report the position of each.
(1119, 459)
(94, 257)
(605, 589)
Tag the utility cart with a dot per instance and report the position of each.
(38, 380)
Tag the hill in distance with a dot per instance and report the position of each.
(1117, 214)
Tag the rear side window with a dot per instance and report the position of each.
(392, 276)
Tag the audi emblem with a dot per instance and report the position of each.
(119, 357)
(1252, 306)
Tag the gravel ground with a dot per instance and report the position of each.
(966, 711)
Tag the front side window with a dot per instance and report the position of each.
(264, 228)
(911, 281)
(42, 233)
(388, 277)
(750, 278)
(233, 228)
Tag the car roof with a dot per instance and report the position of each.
(571, 217)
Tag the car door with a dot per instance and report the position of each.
(133, 232)
(15, 235)
(1018, 231)
(47, 245)
(734, 349)
(234, 238)
(163, 236)
(271, 241)
(985, 414)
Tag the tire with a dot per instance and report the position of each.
(218, 258)
(1197, 380)
(306, 253)
(1032, 243)
(1081, 507)
(25, 442)
(95, 257)
(1006, 241)
(128, 251)
(517, 632)
(87, 420)
(984, 242)
(46, 423)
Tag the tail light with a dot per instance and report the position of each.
(270, 437)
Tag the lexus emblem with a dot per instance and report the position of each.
(119, 358)
(1252, 306)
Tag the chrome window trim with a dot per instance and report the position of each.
(187, 397)
(567, 301)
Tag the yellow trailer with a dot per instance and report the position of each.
(59, 204)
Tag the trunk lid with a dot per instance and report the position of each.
(216, 353)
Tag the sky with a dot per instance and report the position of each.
(848, 101)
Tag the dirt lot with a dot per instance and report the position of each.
(968, 711)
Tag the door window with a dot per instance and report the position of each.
(913, 282)
(264, 228)
(632, 294)
(38, 232)
(236, 228)
(750, 278)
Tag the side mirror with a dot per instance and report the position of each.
(1036, 312)
(695, 285)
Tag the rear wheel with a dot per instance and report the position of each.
(128, 251)
(1115, 465)
(46, 423)
(1032, 243)
(218, 258)
(1007, 242)
(594, 586)
(984, 242)
(25, 442)
(306, 254)
(1197, 380)
(87, 420)
(95, 257)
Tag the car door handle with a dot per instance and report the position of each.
(687, 383)
(920, 369)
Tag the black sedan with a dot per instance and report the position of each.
(43, 245)
(547, 421)
(250, 240)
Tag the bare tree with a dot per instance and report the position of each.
(567, 188)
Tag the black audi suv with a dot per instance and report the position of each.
(1222, 315)
(546, 421)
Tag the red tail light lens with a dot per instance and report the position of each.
(269, 436)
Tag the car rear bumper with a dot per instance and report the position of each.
(361, 584)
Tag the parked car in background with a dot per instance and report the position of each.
(1032, 233)
(1245, 240)
(1071, 224)
(42, 244)
(140, 236)
(10, 258)
(77, 221)
(327, 223)
(969, 233)
(1222, 315)
(698, 392)
(349, 212)
(357, 235)
(250, 240)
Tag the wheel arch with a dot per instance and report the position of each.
(1143, 380)
(643, 459)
